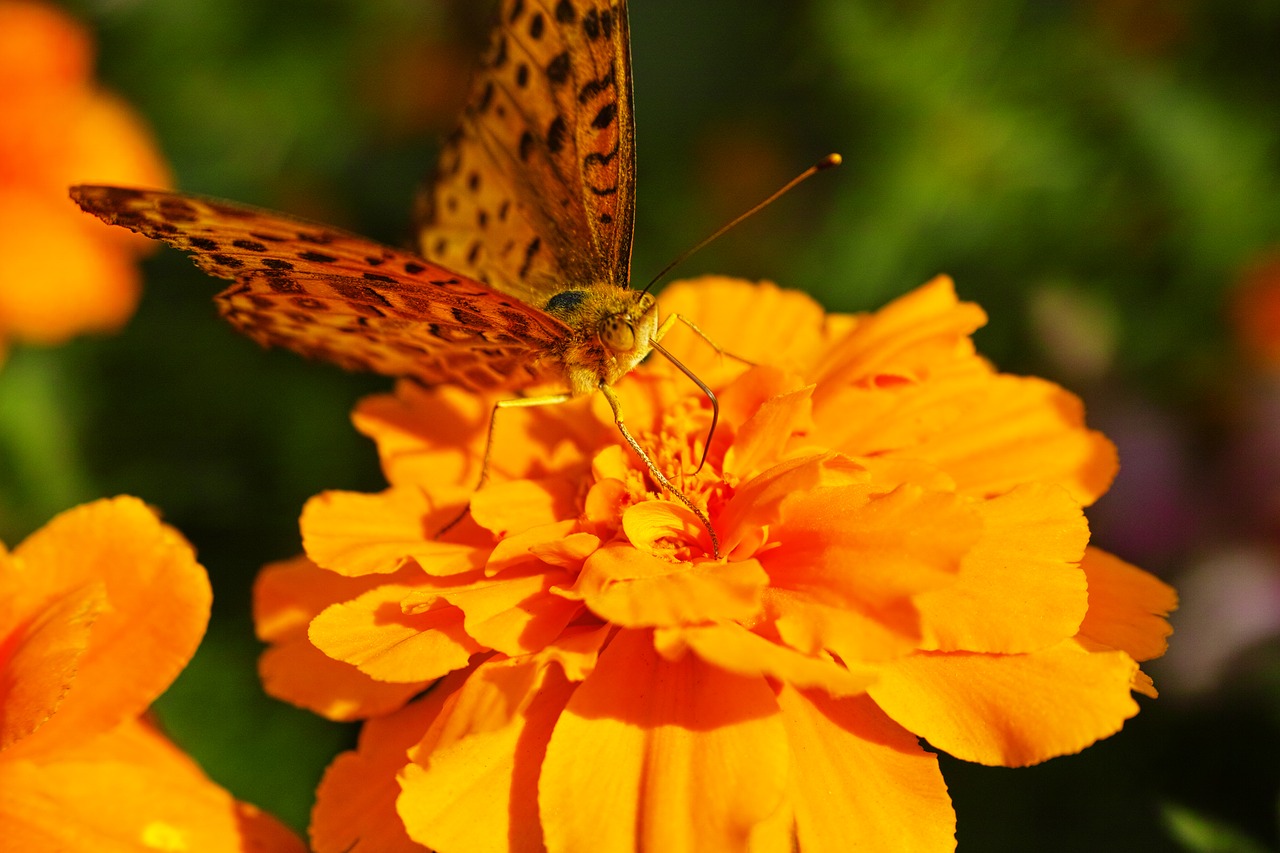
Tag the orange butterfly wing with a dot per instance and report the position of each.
(337, 297)
(535, 191)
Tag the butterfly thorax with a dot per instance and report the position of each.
(612, 329)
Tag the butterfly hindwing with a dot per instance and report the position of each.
(337, 297)
(535, 191)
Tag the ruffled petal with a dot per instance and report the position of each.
(1021, 428)
(1026, 562)
(144, 568)
(357, 534)
(633, 588)
(355, 809)
(1127, 607)
(910, 337)
(849, 547)
(125, 791)
(286, 597)
(861, 781)
(373, 633)
(743, 318)
(1010, 710)
(41, 658)
(735, 649)
(758, 503)
(478, 790)
(515, 614)
(762, 438)
(511, 507)
(662, 755)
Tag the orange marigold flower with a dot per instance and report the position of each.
(99, 612)
(904, 556)
(61, 273)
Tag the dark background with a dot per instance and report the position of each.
(1098, 175)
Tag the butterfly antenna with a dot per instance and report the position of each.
(825, 163)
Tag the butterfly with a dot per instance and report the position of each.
(523, 274)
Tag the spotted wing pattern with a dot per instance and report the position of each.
(337, 297)
(535, 190)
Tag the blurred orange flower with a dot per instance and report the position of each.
(60, 272)
(1255, 309)
(904, 557)
(99, 611)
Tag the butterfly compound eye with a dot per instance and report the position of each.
(617, 333)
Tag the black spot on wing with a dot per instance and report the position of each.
(558, 68)
(605, 116)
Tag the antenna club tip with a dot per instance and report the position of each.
(829, 161)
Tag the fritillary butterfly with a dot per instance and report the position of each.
(527, 224)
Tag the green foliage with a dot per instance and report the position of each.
(1197, 833)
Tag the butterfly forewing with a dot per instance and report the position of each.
(535, 191)
(337, 297)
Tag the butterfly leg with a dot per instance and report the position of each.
(514, 403)
(671, 321)
(612, 397)
(715, 404)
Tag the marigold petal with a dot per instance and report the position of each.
(355, 809)
(1127, 607)
(158, 600)
(373, 633)
(127, 790)
(662, 755)
(898, 413)
(299, 673)
(1022, 429)
(735, 649)
(743, 318)
(577, 650)
(514, 614)
(567, 552)
(758, 503)
(517, 505)
(663, 528)
(517, 551)
(838, 747)
(479, 792)
(1025, 563)
(845, 546)
(632, 588)
(357, 534)
(761, 438)
(41, 658)
(909, 337)
(1010, 710)
(854, 635)
(743, 397)
(286, 596)
(423, 435)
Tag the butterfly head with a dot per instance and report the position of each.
(628, 331)
(613, 329)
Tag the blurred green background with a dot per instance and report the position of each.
(1097, 175)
